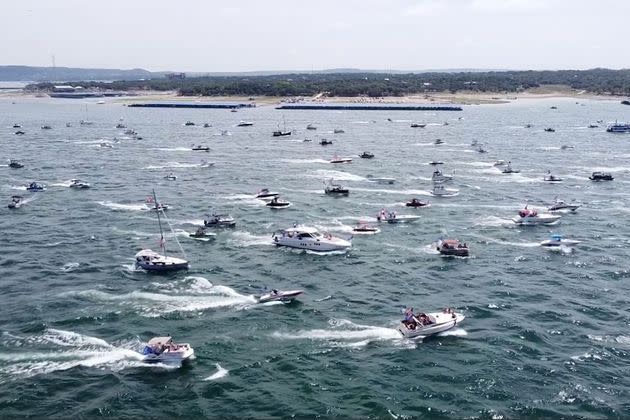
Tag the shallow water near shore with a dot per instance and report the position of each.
(546, 333)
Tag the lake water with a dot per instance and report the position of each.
(546, 333)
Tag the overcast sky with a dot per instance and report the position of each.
(248, 35)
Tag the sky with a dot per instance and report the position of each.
(255, 35)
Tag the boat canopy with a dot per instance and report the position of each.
(159, 341)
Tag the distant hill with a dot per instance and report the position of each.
(61, 74)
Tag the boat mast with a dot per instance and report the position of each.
(162, 241)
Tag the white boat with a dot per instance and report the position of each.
(153, 261)
(393, 217)
(275, 295)
(219, 220)
(333, 188)
(78, 184)
(245, 124)
(508, 169)
(305, 237)
(618, 127)
(16, 202)
(311, 127)
(426, 324)
(560, 206)
(265, 194)
(165, 350)
(277, 203)
(528, 217)
(339, 159)
(338, 131)
(551, 178)
(171, 176)
(440, 191)
(558, 241)
(438, 176)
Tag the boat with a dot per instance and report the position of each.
(307, 140)
(392, 217)
(556, 240)
(440, 191)
(266, 194)
(363, 228)
(78, 184)
(276, 203)
(17, 126)
(417, 203)
(171, 176)
(150, 260)
(618, 127)
(499, 163)
(427, 324)
(15, 164)
(480, 149)
(553, 107)
(304, 237)
(101, 102)
(339, 159)
(438, 176)
(532, 217)
(106, 145)
(528, 125)
(68, 125)
(438, 141)
(380, 180)
(418, 125)
(16, 202)
(130, 132)
(201, 233)
(452, 247)
(366, 155)
(154, 205)
(436, 162)
(338, 131)
(207, 125)
(165, 350)
(625, 102)
(34, 186)
(551, 178)
(593, 126)
(334, 188)
(20, 133)
(206, 164)
(121, 125)
(601, 176)
(283, 132)
(325, 142)
(311, 127)
(46, 127)
(550, 130)
(85, 122)
(189, 123)
(219, 220)
(560, 206)
(508, 169)
(201, 148)
(275, 295)
(566, 147)
(245, 124)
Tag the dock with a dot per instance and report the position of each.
(369, 107)
(202, 105)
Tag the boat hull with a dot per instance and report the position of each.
(444, 322)
(335, 244)
(178, 356)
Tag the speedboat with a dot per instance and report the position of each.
(245, 124)
(85, 122)
(17, 126)
(46, 127)
(560, 206)
(121, 125)
(131, 132)
(499, 163)
(601, 176)
(366, 155)
(311, 127)
(152, 261)
(551, 178)
(276, 203)
(106, 145)
(201, 233)
(189, 123)
(452, 247)
(325, 142)
(392, 217)
(550, 130)
(219, 220)
(34, 186)
(201, 148)
(365, 229)
(275, 295)
(338, 131)
(480, 149)
(266, 194)
(417, 203)
(207, 125)
(424, 325)
(16, 202)
(508, 169)
(557, 240)
(566, 147)
(339, 159)
(335, 189)
(15, 164)
(418, 125)
(436, 162)
(618, 127)
(304, 237)
(380, 180)
(438, 141)
(528, 217)
(171, 176)
(528, 125)
(280, 133)
(20, 133)
(593, 126)
(78, 184)
(165, 350)
(440, 191)
(438, 176)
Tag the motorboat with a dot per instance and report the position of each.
(46, 127)
(266, 194)
(566, 147)
(366, 155)
(16, 202)
(339, 159)
(15, 164)
(438, 141)
(601, 176)
(85, 122)
(325, 142)
(334, 188)
(171, 176)
(452, 247)
(189, 123)
(508, 169)
(418, 125)
(480, 149)
(121, 125)
(68, 125)
(78, 184)
(219, 220)
(20, 133)
(436, 162)
(392, 217)
(416, 203)
(207, 125)
(106, 145)
(338, 131)
(201, 148)
(154, 205)
(307, 140)
(206, 164)
(311, 127)
(553, 107)
(304, 237)
(201, 233)
(245, 124)
(550, 130)
(427, 324)
(277, 203)
(440, 191)
(165, 350)
(17, 126)
(131, 132)
(363, 228)
(556, 240)
(279, 133)
(275, 295)
(528, 217)
(528, 125)
(551, 178)
(445, 123)
(593, 126)
(617, 127)
(34, 186)
(438, 176)
(380, 180)
(499, 163)
(560, 206)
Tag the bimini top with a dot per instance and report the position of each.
(159, 341)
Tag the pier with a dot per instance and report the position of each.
(204, 105)
(370, 107)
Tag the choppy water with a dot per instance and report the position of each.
(546, 333)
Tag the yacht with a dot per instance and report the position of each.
(426, 324)
(333, 188)
(165, 350)
(528, 217)
(452, 247)
(304, 237)
(617, 127)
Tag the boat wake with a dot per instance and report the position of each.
(173, 165)
(337, 175)
(386, 191)
(246, 239)
(303, 161)
(124, 207)
(220, 373)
